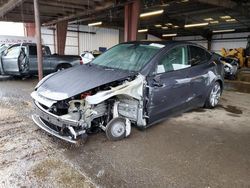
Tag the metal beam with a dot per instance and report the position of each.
(79, 15)
(131, 17)
(38, 40)
(220, 3)
(9, 6)
(61, 34)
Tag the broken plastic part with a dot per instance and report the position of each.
(132, 88)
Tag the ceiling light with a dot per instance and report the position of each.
(223, 31)
(195, 25)
(95, 24)
(169, 24)
(231, 20)
(143, 30)
(165, 5)
(225, 17)
(158, 25)
(208, 19)
(214, 22)
(169, 35)
(151, 13)
(176, 26)
(164, 27)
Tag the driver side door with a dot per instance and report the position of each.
(169, 86)
(10, 60)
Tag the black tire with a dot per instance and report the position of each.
(62, 67)
(214, 96)
(116, 129)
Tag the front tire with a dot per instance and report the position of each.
(116, 129)
(214, 96)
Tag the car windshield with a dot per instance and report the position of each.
(131, 57)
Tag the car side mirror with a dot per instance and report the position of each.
(157, 81)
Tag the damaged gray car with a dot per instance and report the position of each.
(135, 83)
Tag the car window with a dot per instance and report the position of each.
(208, 55)
(13, 51)
(45, 50)
(198, 55)
(175, 59)
(32, 50)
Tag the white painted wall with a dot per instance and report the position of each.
(218, 41)
(229, 43)
(48, 38)
(195, 39)
(103, 37)
(153, 38)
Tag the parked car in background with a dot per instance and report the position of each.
(3, 47)
(21, 59)
(89, 56)
(231, 66)
(139, 83)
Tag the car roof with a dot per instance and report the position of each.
(26, 44)
(164, 42)
(167, 43)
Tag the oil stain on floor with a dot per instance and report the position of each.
(231, 109)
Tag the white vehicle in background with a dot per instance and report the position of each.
(89, 56)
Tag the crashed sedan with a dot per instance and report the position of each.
(135, 83)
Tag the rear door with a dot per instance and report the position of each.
(33, 59)
(169, 88)
(201, 66)
(10, 60)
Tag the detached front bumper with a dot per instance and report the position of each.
(65, 129)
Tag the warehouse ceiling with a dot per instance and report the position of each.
(212, 15)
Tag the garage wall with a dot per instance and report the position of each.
(48, 38)
(153, 38)
(90, 38)
(228, 41)
(103, 38)
(195, 39)
(71, 46)
(237, 40)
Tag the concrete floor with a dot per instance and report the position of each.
(201, 148)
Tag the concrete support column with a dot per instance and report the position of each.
(209, 42)
(30, 29)
(38, 39)
(131, 19)
(61, 34)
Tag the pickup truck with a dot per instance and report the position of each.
(21, 60)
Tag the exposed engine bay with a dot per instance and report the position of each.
(111, 107)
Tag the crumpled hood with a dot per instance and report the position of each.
(73, 81)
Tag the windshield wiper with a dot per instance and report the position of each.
(109, 69)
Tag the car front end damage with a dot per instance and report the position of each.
(111, 107)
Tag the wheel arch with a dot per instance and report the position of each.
(63, 65)
(220, 81)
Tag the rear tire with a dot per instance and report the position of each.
(62, 67)
(214, 96)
